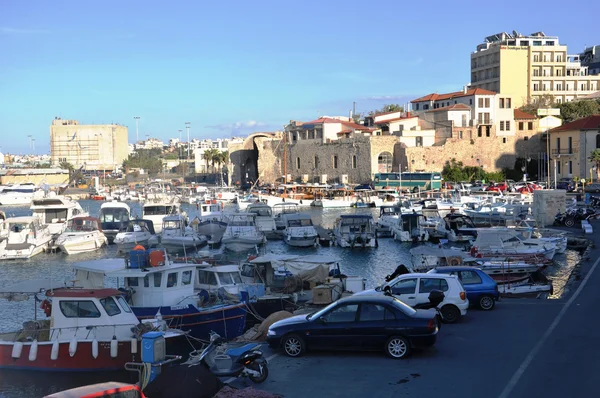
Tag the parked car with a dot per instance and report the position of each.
(414, 288)
(358, 323)
(497, 187)
(565, 185)
(481, 289)
(528, 187)
(595, 187)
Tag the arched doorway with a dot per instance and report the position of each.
(384, 162)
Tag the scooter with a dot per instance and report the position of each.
(232, 361)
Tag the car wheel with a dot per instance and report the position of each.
(450, 313)
(569, 222)
(294, 346)
(397, 347)
(486, 303)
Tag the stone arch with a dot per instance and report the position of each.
(385, 161)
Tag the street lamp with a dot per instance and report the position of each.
(180, 131)
(187, 127)
(137, 138)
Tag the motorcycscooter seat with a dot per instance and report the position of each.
(237, 351)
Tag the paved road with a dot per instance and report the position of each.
(487, 354)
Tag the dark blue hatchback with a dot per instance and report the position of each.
(481, 289)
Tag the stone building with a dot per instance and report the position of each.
(93, 146)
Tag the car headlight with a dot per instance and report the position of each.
(271, 332)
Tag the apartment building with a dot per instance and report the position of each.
(590, 58)
(530, 66)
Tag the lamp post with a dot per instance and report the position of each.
(187, 127)
(180, 131)
(137, 137)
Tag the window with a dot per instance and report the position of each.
(384, 162)
(425, 107)
(526, 138)
(426, 285)
(460, 134)
(536, 87)
(123, 304)
(297, 162)
(507, 125)
(570, 144)
(418, 141)
(488, 131)
(110, 306)
(405, 286)
(508, 103)
(371, 312)
(354, 161)
(502, 125)
(207, 278)
(479, 132)
(344, 313)
(79, 309)
(521, 126)
(133, 282)
(529, 125)
(504, 140)
(480, 102)
(416, 107)
(147, 281)
(469, 277)
(570, 167)
(316, 162)
(501, 103)
(186, 277)
(487, 102)
(597, 140)
(157, 278)
(172, 279)
(558, 145)
(470, 101)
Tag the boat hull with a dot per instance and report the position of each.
(179, 243)
(22, 254)
(213, 228)
(344, 241)
(308, 241)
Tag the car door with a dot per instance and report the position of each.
(472, 283)
(428, 284)
(405, 290)
(374, 322)
(335, 329)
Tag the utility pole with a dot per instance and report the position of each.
(137, 135)
(284, 156)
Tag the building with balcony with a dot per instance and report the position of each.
(93, 146)
(529, 67)
(325, 129)
(590, 58)
(571, 145)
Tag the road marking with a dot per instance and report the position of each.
(519, 373)
(231, 379)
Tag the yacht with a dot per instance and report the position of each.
(114, 217)
(281, 209)
(264, 219)
(242, 233)
(177, 235)
(26, 237)
(356, 230)
(410, 228)
(55, 211)
(388, 216)
(507, 242)
(210, 221)
(138, 232)
(83, 234)
(299, 230)
(157, 207)
(19, 194)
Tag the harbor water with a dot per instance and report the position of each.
(372, 264)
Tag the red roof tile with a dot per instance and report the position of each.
(586, 123)
(456, 94)
(455, 107)
(519, 114)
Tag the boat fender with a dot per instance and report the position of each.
(16, 351)
(139, 247)
(33, 349)
(54, 351)
(46, 306)
(134, 346)
(73, 346)
(114, 347)
(473, 250)
(95, 348)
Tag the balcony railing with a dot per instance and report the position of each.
(562, 151)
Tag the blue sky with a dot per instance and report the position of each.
(234, 67)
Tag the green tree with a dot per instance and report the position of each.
(453, 171)
(222, 158)
(387, 108)
(574, 110)
(207, 158)
(595, 158)
(533, 104)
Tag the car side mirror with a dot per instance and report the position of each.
(322, 320)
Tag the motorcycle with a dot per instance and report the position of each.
(572, 216)
(223, 360)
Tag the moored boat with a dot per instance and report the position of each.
(83, 234)
(114, 217)
(138, 232)
(356, 230)
(25, 238)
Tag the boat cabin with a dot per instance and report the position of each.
(356, 223)
(176, 222)
(209, 208)
(85, 224)
(55, 211)
(389, 211)
(213, 278)
(138, 225)
(297, 220)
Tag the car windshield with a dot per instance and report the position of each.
(318, 314)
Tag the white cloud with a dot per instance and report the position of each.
(19, 31)
(385, 97)
(238, 126)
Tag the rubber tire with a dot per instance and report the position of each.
(300, 342)
(404, 341)
(569, 222)
(486, 303)
(450, 313)
(263, 377)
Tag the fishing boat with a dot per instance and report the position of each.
(114, 217)
(356, 230)
(86, 330)
(264, 219)
(242, 233)
(410, 228)
(153, 284)
(138, 232)
(300, 231)
(25, 238)
(83, 234)
(210, 221)
(177, 235)
(55, 211)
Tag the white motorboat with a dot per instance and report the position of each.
(459, 228)
(210, 222)
(356, 230)
(19, 194)
(157, 207)
(177, 235)
(114, 217)
(497, 242)
(26, 237)
(281, 209)
(299, 230)
(3, 226)
(138, 232)
(410, 228)
(388, 216)
(242, 233)
(83, 234)
(264, 219)
(55, 211)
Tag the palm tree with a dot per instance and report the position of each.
(595, 158)
(207, 157)
(222, 158)
(214, 157)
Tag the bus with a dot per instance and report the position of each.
(424, 181)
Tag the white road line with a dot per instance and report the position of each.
(519, 373)
(231, 379)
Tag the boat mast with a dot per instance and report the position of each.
(284, 156)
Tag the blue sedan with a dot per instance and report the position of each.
(358, 323)
(481, 289)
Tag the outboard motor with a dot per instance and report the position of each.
(400, 270)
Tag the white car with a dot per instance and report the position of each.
(414, 288)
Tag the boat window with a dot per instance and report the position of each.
(230, 278)
(79, 309)
(171, 224)
(172, 279)
(157, 278)
(248, 270)
(405, 286)
(207, 278)
(54, 215)
(428, 284)
(186, 277)
(124, 304)
(470, 277)
(147, 281)
(110, 306)
(133, 282)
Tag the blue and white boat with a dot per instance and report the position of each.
(167, 291)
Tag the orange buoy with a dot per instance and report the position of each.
(156, 258)
(139, 247)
